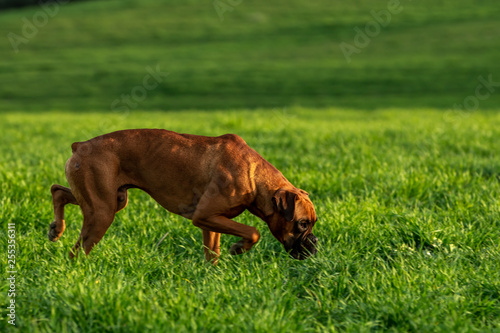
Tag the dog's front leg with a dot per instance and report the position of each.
(221, 224)
(211, 242)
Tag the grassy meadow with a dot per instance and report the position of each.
(405, 183)
(257, 54)
(409, 223)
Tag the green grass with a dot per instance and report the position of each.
(406, 192)
(263, 54)
(409, 230)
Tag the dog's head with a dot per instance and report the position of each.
(292, 222)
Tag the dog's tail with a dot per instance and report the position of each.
(74, 146)
(78, 146)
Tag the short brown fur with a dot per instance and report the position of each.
(209, 180)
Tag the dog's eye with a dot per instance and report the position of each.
(303, 225)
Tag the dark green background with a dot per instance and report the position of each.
(259, 54)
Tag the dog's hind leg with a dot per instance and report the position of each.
(121, 198)
(61, 196)
(96, 221)
(95, 185)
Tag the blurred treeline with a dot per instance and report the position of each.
(24, 3)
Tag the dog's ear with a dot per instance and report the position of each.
(284, 203)
(303, 192)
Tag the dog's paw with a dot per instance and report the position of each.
(237, 248)
(55, 231)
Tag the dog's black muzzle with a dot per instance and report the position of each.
(304, 247)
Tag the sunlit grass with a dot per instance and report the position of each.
(409, 229)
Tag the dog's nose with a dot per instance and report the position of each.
(313, 239)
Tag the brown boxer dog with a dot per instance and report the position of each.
(209, 180)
